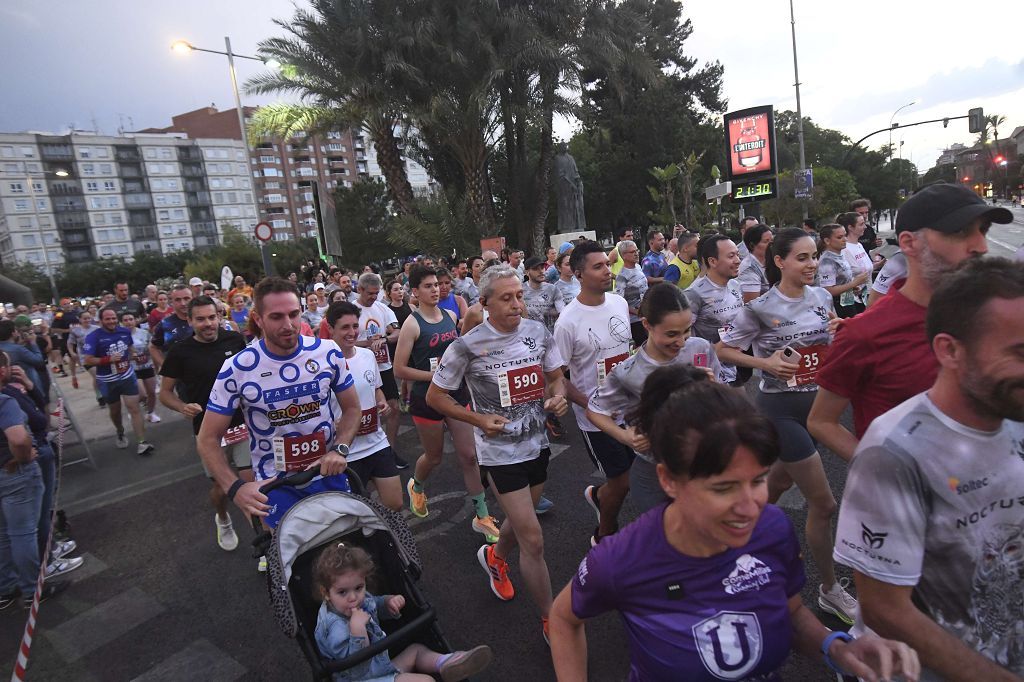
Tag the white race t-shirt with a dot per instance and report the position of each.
(860, 262)
(374, 320)
(370, 438)
(591, 341)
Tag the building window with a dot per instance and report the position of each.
(102, 153)
(149, 153)
(160, 199)
(96, 202)
(17, 188)
(37, 186)
(163, 215)
(109, 186)
(99, 219)
(113, 202)
(178, 213)
(166, 153)
(268, 159)
(116, 219)
(92, 187)
(29, 240)
(7, 152)
(84, 153)
(106, 169)
(88, 169)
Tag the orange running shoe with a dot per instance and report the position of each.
(417, 501)
(497, 572)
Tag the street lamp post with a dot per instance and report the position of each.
(799, 112)
(184, 47)
(892, 118)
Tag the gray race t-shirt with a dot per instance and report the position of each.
(751, 277)
(540, 303)
(938, 506)
(505, 376)
(713, 308)
(772, 321)
(631, 284)
(566, 292)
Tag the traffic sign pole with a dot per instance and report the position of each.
(265, 233)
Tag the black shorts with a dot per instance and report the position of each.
(60, 342)
(421, 412)
(509, 478)
(788, 412)
(609, 455)
(389, 387)
(145, 373)
(380, 464)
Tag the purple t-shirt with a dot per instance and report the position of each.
(724, 617)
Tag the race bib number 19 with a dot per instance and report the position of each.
(811, 358)
(523, 385)
(606, 365)
(294, 453)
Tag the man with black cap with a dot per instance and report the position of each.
(882, 357)
(538, 295)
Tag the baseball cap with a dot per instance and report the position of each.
(195, 282)
(318, 286)
(947, 208)
(22, 321)
(533, 262)
(564, 247)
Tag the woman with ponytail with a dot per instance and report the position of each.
(788, 329)
(708, 582)
(667, 320)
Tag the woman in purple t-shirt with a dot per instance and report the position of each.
(707, 584)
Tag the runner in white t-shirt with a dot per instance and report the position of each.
(593, 335)
(370, 454)
(854, 253)
(294, 395)
(895, 269)
(514, 374)
(379, 327)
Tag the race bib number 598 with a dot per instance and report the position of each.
(522, 385)
(294, 453)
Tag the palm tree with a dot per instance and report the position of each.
(345, 60)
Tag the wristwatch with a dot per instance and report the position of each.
(341, 449)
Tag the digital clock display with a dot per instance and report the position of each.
(754, 190)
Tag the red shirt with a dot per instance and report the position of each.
(880, 358)
(155, 316)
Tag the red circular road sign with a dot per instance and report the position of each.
(264, 232)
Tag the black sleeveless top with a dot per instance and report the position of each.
(434, 339)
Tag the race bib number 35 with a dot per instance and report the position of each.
(606, 365)
(523, 385)
(294, 453)
(368, 422)
(811, 358)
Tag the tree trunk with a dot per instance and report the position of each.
(542, 178)
(392, 166)
(513, 192)
(479, 201)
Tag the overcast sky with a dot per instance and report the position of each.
(107, 63)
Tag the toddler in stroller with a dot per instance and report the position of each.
(348, 621)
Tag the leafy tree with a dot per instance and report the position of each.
(363, 220)
(664, 194)
(833, 191)
(440, 230)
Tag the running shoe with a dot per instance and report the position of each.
(544, 505)
(497, 572)
(227, 539)
(261, 565)
(47, 592)
(590, 495)
(463, 664)
(554, 426)
(417, 501)
(403, 406)
(121, 442)
(62, 548)
(839, 602)
(488, 526)
(400, 463)
(101, 402)
(7, 599)
(61, 566)
(544, 625)
(154, 418)
(145, 449)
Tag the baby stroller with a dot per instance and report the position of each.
(352, 518)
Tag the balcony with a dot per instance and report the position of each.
(189, 154)
(199, 214)
(195, 185)
(130, 154)
(129, 170)
(65, 190)
(75, 238)
(138, 218)
(138, 200)
(134, 187)
(198, 199)
(78, 255)
(56, 152)
(140, 232)
(192, 172)
(68, 205)
(204, 229)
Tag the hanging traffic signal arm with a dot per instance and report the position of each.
(895, 126)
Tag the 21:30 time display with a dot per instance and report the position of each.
(755, 189)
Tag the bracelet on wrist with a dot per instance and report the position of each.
(833, 636)
(234, 489)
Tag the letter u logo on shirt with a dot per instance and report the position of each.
(729, 643)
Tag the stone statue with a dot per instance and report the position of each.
(569, 190)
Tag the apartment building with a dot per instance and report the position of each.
(100, 196)
(284, 170)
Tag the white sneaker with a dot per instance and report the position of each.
(122, 441)
(839, 602)
(145, 448)
(62, 566)
(62, 548)
(227, 539)
(154, 418)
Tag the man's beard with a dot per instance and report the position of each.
(993, 397)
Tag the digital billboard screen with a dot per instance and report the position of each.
(750, 142)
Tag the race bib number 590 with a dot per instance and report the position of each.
(294, 453)
(522, 385)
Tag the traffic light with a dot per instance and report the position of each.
(976, 120)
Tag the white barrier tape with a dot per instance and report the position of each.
(21, 665)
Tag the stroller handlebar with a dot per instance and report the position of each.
(295, 479)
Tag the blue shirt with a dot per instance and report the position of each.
(170, 330)
(29, 358)
(451, 304)
(654, 264)
(10, 415)
(335, 641)
(103, 344)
